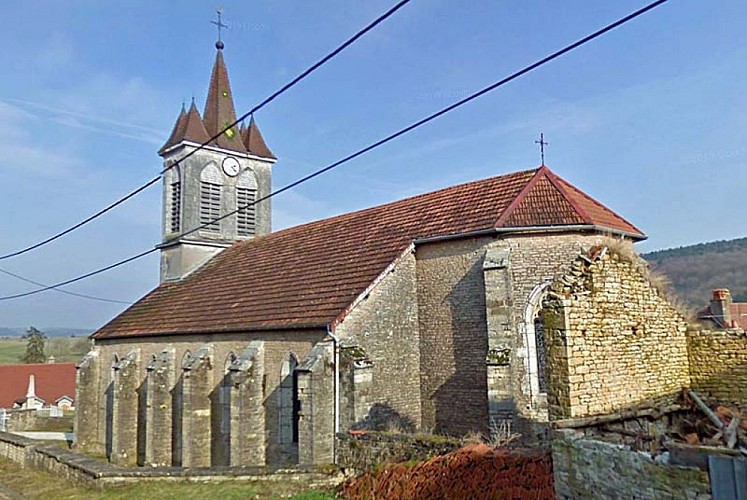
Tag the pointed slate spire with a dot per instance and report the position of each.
(176, 132)
(254, 142)
(219, 109)
(194, 128)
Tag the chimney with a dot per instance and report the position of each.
(50, 360)
(31, 393)
(721, 308)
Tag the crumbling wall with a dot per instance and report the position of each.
(588, 468)
(718, 364)
(614, 340)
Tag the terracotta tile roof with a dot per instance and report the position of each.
(52, 381)
(188, 127)
(254, 142)
(309, 274)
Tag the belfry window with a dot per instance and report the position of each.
(211, 185)
(246, 195)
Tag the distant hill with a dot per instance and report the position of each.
(696, 270)
(52, 331)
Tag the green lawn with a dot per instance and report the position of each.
(32, 484)
(64, 349)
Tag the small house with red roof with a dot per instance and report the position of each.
(723, 312)
(258, 347)
(36, 386)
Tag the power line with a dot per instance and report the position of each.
(374, 145)
(82, 295)
(243, 117)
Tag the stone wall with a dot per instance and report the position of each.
(95, 396)
(99, 474)
(384, 325)
(718, 364)
(614, 340)
(587, 468)
(474, 298)
(453, 335)
(366, 451)
(533, 262)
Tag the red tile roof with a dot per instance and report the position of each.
(309, 274)
(52, 381)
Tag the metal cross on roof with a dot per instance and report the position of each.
(542, 144)
(219, 23)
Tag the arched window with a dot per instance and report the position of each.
(287, 406)
(224, 398)
(246, 194)
(174, 199)
(536, 345)
(211, 184)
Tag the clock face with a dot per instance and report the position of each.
(231, 166)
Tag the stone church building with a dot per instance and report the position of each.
(258, 346)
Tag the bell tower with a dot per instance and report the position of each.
(230, 172)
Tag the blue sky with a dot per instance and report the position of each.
(649, 119)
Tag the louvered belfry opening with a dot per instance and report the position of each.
(245, 218)
(210, 205)
(175, 212)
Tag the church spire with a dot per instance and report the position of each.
(219, 109)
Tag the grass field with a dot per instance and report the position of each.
(32, 484)
(64, 349)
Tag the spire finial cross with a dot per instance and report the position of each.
(219, 22)
(542, 145)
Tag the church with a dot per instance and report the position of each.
(258, 347)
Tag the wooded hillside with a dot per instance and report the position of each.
(696, 270)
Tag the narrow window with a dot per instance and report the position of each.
(246, 195)
(210, 197)
(176, 196)
(541, 345)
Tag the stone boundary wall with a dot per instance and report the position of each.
(366, 451)
(587, 468)
(718, 364)
(99, 474)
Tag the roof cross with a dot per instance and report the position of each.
(219, 23)
(542, 145)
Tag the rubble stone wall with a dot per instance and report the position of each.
(718, 364)
(614, 340)
(587, 468)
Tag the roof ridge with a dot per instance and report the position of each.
(579, 210)
(520, 197)
(389, 204)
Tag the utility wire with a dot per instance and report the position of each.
(243, 117)
(82, 295)
(376, 144)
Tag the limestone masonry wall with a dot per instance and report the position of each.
(278, 345)
(614, 340)
(718, 364)
(534, 261)
(385, 326)
(586, 468)
(453, 335)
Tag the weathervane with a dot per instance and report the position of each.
(219, 24)
(542, 144)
